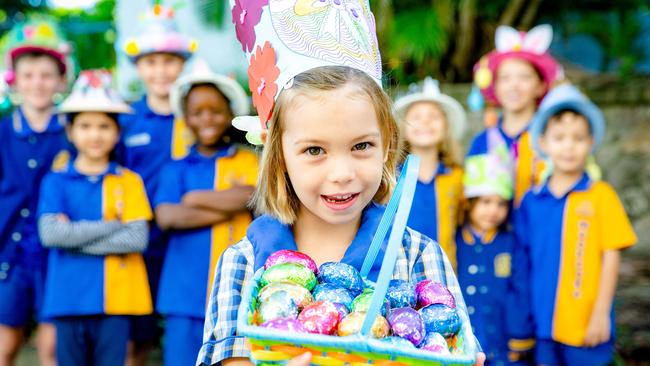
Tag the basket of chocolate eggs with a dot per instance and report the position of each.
(291, 306)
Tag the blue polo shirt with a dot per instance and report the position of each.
(79, 284)
(192, 255)
(564, 238)
(434, 212)
(25, 157)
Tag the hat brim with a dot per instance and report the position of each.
(78, 107)
(229, 87)
(593, 115)
(58, 56)
(545, 64)
(456, 116)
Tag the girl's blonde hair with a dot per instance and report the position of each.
(274, 194)
(449, 151)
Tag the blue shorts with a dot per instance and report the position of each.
(183, 340)
(552, 353)
(91, 340)
(21, 290)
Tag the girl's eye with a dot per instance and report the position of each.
(314, 151)
(361, 146)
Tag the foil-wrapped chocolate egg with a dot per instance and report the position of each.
(401, 294)
(277, 306)
(320, 317)
(333, 293)
(361, 304)
(435, 342)
(289, 325)
(289, 272)
(407, 323)
(441, 319)
(341, 275)
(300, 295)
(342, 309)
(352, 324)
(290, 256)
(430, 292)
(398, 342)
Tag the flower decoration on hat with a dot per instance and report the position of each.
(93, 92)
(245, 15)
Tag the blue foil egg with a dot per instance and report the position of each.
(401, 294)
(441, 319)
(333, 293)
(341, 275)
(398, 342)
(435, 342)
(279, 305)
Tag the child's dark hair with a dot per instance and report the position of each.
(113, 116)
(38, 54)
(467, 207)
(559, 115)
(231, 135)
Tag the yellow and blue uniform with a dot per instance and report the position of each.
(25, 157)
(434, 212)
(564, 239)
(528, 165)
(485, 277)
(91, 293)
(192, 255)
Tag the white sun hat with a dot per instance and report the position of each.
(201, 74)
(93, 92)
(430, 92)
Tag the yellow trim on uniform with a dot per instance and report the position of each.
(521, 345)
(529, 168)
(126, 287)
(449, 193)
(182, 139)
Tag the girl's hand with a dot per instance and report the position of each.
(480, 359)
(302, 360)
(62, 218)
(599, 329)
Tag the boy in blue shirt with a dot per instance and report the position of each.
(33, 141)
(573, 230)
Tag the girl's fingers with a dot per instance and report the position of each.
(302, 360)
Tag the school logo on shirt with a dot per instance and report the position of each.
(502, 265)
(139, 139)
(61, 161)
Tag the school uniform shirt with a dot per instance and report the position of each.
(25, 157)
(485, 277)
(192, 255)
(419, 258)
(565, 238)
(434, 212)
(528, 166)
(79, 284)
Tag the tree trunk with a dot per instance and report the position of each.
(509, 15)
(383, 10)
(465, 40)
(530, 14)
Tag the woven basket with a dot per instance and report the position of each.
(273, 347)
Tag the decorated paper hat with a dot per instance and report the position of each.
(93, 92)
(37, 35)
(563, 97)
(430, 92)
(201, 74)
(159, 34)
(283, 38)
(510, 43)
(489, 173)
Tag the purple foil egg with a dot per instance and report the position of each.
(277, 306)
(333, 293)
(441, 319)
(407, 323)
(401, 294)
(320, 317)
(341, 275)
(398, 342)
(289, 325)
(290, 256)
(361, 304)
(435, 342)
(429, 292)
(289, 272)
(300, 295)
(352, 324)
(342, 309)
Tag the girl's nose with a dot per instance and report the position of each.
(341, 170)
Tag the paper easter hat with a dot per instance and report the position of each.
(510, 43)
(430, 92)
(93, 92)
(283, 38)
(159, 34)
(41, 35)
(489, 173)
(201, 74)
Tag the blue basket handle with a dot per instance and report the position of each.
(398, 207)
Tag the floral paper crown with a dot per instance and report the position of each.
(283, 38)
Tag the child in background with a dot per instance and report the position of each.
(93, 215)
(515, 77)
(152, 137)
(32, 142)
(431, 123)
(328, 163)
(202, 201)
(573, 257)
(485, 249)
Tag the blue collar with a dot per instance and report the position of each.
(22, 128)
(71, 171)
(583, 184)
(141, 107)
(509, 139)
(224, 151)
(268, 235)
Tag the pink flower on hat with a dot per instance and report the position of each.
(262, 74)
(245, 15)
